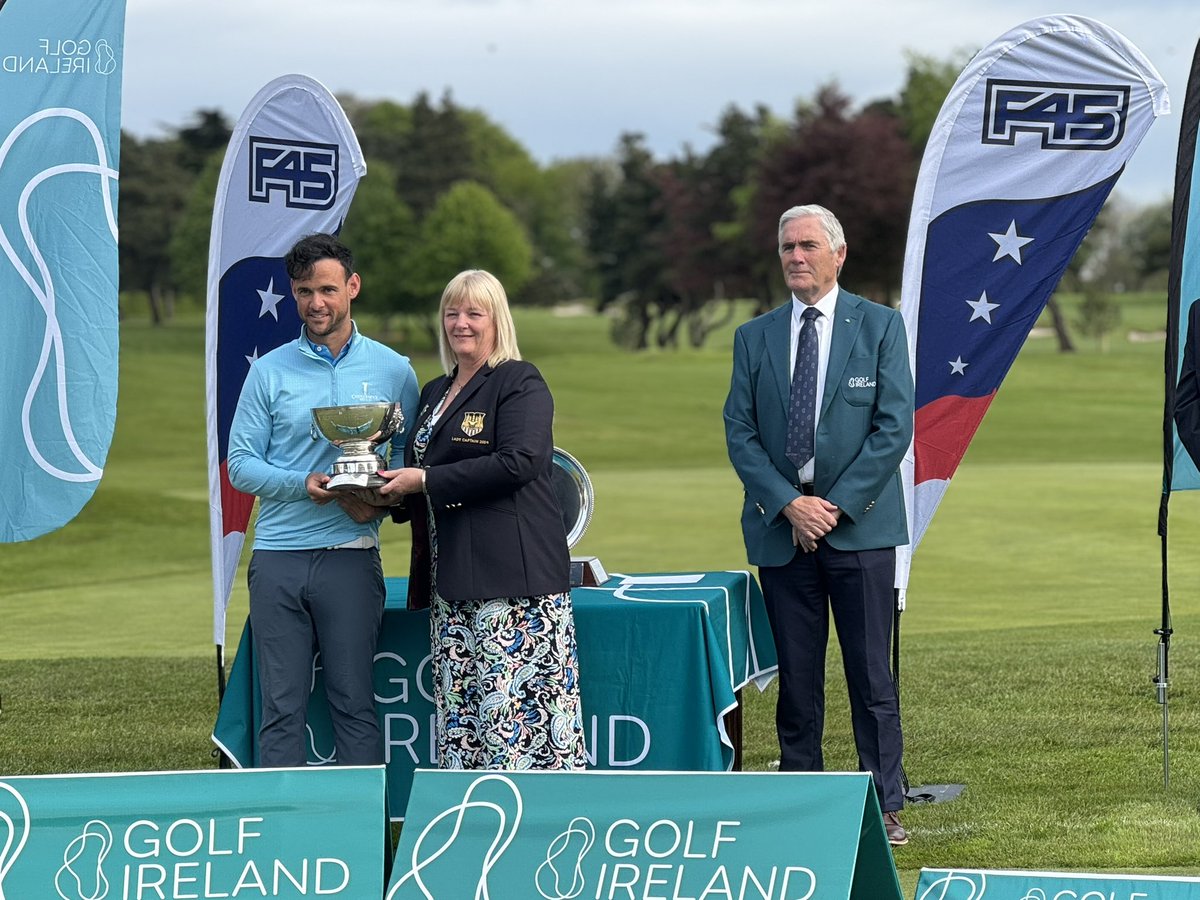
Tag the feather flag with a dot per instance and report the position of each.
(1026, 148)
(1182, 419)
(60, 125)
(291, 169)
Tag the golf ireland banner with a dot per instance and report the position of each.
(291, 169)
(559, 835)
(278, 833)
(977, 884)
(1028, 144)
(60, 123)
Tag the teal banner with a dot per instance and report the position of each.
(643, 709)
(980, 884)
(278, 833)
(653, 836)
(60, 124)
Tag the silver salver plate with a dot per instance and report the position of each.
(575, 494)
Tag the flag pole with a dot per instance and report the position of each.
(1161, 678)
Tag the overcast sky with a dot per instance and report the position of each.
(566, 77)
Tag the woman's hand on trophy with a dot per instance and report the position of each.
(401, 482)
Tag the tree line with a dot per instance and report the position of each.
(664, 247)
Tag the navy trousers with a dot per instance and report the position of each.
(857, 586)
(303, 602)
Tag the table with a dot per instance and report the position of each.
(662, 658)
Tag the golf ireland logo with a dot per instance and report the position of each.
(953, 885)
(569, 835)
(82, 874)
(14, 830)
(503, 808)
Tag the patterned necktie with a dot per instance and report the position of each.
(802, 403)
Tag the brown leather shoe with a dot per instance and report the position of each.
(896, 834)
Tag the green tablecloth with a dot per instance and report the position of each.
(661, 658)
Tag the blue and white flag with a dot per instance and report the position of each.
(291, 169)
(60, 128)
(1027, 147)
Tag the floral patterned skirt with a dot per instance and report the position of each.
(506, 683)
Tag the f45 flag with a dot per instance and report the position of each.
(1026, 148)
(291, 169)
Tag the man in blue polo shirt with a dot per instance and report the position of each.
(316, 582)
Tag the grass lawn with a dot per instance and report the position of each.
(1027, 646)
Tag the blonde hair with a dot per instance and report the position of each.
(482, 289)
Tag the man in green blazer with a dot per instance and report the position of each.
(824, 506)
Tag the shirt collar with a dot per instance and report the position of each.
(825, 305)
(322, 351)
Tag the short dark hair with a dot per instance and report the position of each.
(310, 250)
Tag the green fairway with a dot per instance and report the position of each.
(1027, 646)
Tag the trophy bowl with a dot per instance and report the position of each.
(356, 430)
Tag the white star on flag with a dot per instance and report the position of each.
(958, 367)
(253, 358)
(270, 300)
(981, 308)
(1009, 243)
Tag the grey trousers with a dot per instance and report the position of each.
(305, 602)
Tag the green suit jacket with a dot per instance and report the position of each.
(864, 428)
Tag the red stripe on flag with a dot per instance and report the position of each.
(235, 506)
(942, 430)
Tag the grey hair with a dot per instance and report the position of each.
(829, 222)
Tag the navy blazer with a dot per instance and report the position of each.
(863, 430)
(500, 530)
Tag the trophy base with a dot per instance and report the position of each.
(586, 571)
(355, 481)
(355, 472)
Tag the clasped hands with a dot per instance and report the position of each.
(365, 504)
(812, 518)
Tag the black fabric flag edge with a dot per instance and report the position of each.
(1185, 161)
(1184, 164)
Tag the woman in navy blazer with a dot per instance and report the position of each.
(490, 554)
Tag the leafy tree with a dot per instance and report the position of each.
(858, 166)
(626, 215)
(468, 228)
(208, 133)
(382, 128)
(152, 190)
(381, 231)
(432, 147)
(433, 154)
(190, 237)
(1148, 244)
(927, 82)
(1099, 314)
(547, 204)
(565, 268)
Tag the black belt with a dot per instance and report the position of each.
(807, 489)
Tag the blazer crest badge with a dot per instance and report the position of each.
(472, 423)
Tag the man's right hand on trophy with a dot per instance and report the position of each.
(315, 485)
(373, 497)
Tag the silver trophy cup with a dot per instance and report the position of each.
(357, 430)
